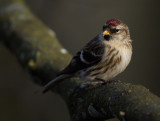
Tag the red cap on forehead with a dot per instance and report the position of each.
(113, 22)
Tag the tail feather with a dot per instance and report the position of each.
(55, 81)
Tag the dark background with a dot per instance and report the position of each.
(75, 23)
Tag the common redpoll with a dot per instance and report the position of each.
(104, 57)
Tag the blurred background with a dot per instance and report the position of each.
(75, 23)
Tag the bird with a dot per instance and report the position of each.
(102, 58)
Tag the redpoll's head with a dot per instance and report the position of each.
(115, 30)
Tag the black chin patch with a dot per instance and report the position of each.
(107, 37)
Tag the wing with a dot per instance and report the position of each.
(90, 55)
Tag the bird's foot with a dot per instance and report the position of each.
(107, 82)
(97, 82)
(90, 84)
(102, 80)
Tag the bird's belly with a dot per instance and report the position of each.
(111, 72)
(103, 72)
(98, 74)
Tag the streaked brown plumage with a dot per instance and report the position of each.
(104, 57)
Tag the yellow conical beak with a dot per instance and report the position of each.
(106, 33)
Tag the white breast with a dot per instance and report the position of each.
(125, 53)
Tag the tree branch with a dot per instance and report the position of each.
(39, 52)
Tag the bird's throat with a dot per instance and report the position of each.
(107, 37)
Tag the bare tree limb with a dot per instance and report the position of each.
(39, 52)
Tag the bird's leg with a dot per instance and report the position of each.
(107, 82)
(88, 84)
(102, 80)
(92, 83)
(97, 83)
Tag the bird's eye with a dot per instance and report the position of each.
(115, 30)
